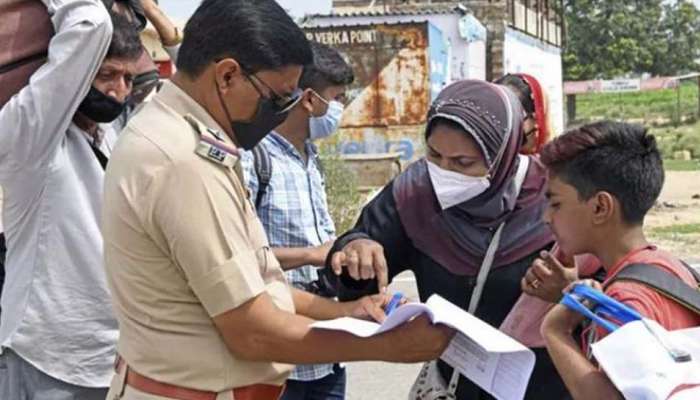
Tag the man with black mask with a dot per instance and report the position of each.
(58, 332)
(147, 77)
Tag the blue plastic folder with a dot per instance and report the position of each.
(601, 309)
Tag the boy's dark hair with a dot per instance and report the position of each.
(259, 34)
(520, 88)
(618, 158)
(327, 69)
(126, 43)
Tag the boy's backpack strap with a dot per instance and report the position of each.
(263, 170)
(693, 271)
(662, 282)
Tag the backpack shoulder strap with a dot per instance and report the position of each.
(321, 167)
(693, 271)
(263, 170)
(662, 282)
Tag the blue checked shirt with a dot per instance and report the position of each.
(294, 213)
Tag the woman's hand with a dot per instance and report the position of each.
(364, 259)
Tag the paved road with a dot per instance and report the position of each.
(376, 380)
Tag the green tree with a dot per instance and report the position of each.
(680, 29)
(607, 39)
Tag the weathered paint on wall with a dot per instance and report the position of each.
(392, 92)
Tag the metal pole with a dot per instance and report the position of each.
(571, 107)
(678, 103)
(698, 96)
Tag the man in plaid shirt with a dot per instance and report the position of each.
(292, 205)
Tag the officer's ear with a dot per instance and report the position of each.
(228, 73)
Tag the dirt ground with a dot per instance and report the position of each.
(678, 207)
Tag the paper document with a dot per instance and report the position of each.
(488, 357)
(642, 369)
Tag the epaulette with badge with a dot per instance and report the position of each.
(212, 146)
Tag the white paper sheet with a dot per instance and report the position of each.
(494, 361)
(641, 368)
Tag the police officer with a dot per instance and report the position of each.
(203, 305)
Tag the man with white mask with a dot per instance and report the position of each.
(286, 182)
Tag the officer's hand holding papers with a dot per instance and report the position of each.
(480, 352)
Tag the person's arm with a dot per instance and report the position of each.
(167, 31)
(294, 257)
(583, 379)
(33, 123)
(321, 308)
(209, 243)
(170, 35)
(259, 331)
(374, 251)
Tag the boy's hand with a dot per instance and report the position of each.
(562, 320)
(548, 277)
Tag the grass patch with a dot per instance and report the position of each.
(672, 139)
(344, 197)
(681, 165)
(683, 229)
(650, 106)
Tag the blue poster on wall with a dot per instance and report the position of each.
(437, 46)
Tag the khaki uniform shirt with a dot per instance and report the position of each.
(182, 245)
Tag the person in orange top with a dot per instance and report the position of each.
(536, 127)
(603, 179)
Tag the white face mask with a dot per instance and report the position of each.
(325, 125)
(452, 188)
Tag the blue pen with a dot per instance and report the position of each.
(393, 303)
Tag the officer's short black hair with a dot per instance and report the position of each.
(329, 68)
(259, 34)
(126, 43)
(619, 158)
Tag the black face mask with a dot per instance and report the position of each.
(99, 107)
(142, 86)
(267, 117)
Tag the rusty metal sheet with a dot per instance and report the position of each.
(392, 68)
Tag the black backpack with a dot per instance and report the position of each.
(664, 283)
